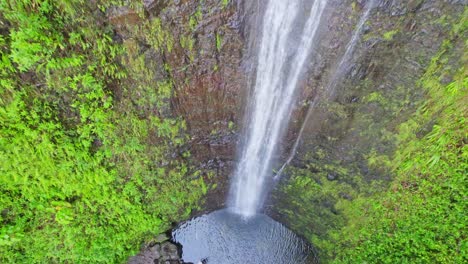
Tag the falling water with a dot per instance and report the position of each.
(279, 67)
(341, 69)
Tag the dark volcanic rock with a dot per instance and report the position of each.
(123, 15)
(332, 176)
(162, 253)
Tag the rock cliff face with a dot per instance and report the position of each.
(206, 53)
(208, 81)
(378, 88)
(197, 49)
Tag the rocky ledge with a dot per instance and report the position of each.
(159, 253)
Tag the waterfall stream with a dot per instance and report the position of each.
(241, 234)
(279, 67)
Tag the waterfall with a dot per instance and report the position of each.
(279, 66)
(341, 69)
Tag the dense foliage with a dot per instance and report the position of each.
(422, 217)
(85, 175)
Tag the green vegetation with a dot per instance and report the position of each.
(389, 34)
(219, 42)
(196, 18)
(420, 216)
(86, 149)
(224, 3)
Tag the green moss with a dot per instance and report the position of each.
(225, 3)
(311, 205)
(219, 42)
(375, 97)
(195, 18)
(156, 35)
(188, 43)
(390, 34)
(231, 125)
